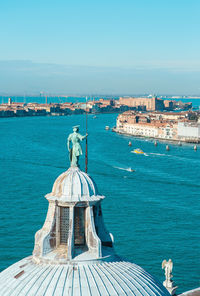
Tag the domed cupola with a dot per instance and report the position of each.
(74, 225)
(74, 186)
(73, 252)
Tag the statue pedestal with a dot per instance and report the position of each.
(169, 285)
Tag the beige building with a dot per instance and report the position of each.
(151, 130)
(151, 104)
(189, 131)
(147, 125)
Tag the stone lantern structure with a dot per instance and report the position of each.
(74, 226)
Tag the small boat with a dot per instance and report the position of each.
(94, 116)
(129, 143)
(167, 147)
(107, 127)
(130, 170)
(155, 143)
(195, 147)
(125, 169)
(138, 151)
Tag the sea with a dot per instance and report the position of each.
(152, 212)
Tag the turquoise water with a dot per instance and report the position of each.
(153, 213)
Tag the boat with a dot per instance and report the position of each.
(129, 143)
(138, 151)
(130, 170)
(107, 127)
(167, 147)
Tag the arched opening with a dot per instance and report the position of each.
(79, 226)
(64, 225)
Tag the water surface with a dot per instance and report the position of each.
(153, 212)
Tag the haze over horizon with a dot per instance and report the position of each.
(103, 48)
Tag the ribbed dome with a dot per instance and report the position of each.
(74, 185)
(103, 278)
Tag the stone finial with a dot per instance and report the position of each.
(168, 283)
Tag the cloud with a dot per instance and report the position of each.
(27, 77)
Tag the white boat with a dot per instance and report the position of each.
(130, 170)
(107, 127)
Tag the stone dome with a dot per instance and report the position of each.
(103, 278)
(74, 185)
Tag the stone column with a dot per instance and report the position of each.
(70, 243)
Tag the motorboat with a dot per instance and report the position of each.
(107, 127)
(138, 151)
(130, 170)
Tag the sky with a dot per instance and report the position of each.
(102, 47)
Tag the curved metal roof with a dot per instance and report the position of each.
(103, 278)
(73, 186)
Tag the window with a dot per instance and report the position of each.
(64, 225)
(79, 226)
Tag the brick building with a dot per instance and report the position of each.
(151, 104)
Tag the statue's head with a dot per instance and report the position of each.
(76, 128)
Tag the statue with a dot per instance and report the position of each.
(76, 149)
(167, 265)
(168, 283)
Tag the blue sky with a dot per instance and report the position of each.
(119, 46)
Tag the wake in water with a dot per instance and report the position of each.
(125, 169)
(159, 154)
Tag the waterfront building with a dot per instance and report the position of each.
(169, 104)
(189, 131)
(165, 126)
(150, 104)
(170, 116)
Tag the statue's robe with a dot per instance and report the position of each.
(76, 151)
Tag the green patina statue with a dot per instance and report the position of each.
(75, 151)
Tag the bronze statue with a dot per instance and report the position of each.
(75, 151)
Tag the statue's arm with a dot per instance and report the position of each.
(68, 143)
(82, 137)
